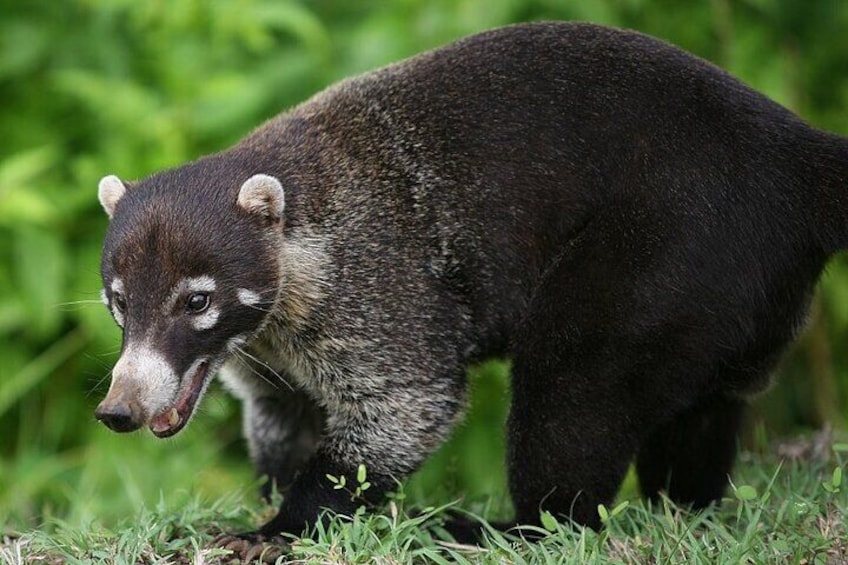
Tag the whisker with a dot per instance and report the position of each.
(255, 307)
(100, 382)
(264, 364)
(259, 374)
(96, 359)
(253, 370)
(77, 303)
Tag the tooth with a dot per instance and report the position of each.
(173, 417)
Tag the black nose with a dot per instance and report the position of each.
(118, 417)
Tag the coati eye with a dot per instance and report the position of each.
(197, 302)
(119, 301)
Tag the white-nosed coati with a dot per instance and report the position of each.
(639, 231)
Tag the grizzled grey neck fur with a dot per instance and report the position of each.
(639, 231)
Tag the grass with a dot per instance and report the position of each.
(788, 506)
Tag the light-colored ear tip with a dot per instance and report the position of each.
(110, 190)
(263, 195)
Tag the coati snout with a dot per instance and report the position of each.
(636, 229)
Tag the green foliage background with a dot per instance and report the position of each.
(91, 87)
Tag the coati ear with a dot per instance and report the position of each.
(110, 190)
(263, 195)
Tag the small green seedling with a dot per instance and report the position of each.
(340, 482)
(548, 521)
(832, 485)
(607, 514)
(745, 493)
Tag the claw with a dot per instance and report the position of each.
(251, 546)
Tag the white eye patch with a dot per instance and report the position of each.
(188, 285)
(203, 283)
(117, 287)
(248, 297)
(207, 319)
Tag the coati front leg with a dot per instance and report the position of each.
(391, 433)
(283, 431)
(282, 424)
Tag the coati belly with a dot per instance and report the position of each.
(636, 229)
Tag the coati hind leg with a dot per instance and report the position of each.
(567, 452)
(605, 354)
(691, 455)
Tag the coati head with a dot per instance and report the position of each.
(190, 270)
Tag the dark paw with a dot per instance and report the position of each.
(252, 547)
(469, 530)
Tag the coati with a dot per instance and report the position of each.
(636, 229)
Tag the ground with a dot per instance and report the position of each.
(788, 505)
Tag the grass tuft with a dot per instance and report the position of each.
(777, 511)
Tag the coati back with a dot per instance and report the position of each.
(636, 229)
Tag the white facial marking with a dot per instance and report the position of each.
(204, 283)
(146, 374)
(148, 371)
(103, 297)
(207, 319)
(117, 286)
(235, 342)
(248, 297)
(188, 285)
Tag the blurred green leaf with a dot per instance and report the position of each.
(23, 45)
(14, 388)
(23, 167)
(20, 201)
(746, 492)
(295, 19)
(40, 268)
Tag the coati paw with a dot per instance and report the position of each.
(252, 547)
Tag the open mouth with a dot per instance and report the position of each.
(175, 418)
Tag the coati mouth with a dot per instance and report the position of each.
(173, 419)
